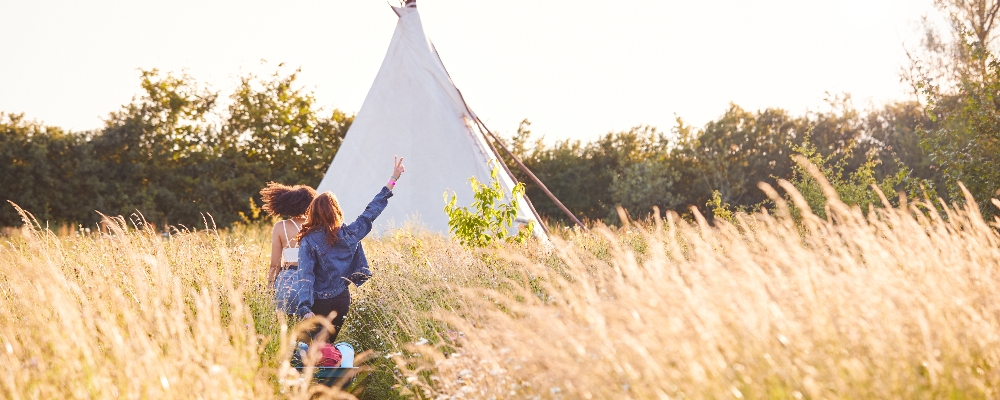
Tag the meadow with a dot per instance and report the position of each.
(881, 303)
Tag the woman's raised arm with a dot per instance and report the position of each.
(363, 225)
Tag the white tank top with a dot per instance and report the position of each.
(290, 254)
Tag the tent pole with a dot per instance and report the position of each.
(513, 178)
(482, 127)
(530, 175)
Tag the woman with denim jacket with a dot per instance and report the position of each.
(331, 256)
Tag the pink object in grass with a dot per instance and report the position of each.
(329, 356)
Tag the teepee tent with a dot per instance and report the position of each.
(415, 111)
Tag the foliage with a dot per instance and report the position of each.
(491, 219)
(279, 130)
(642, 168)
(966, 142)
(272, 131)
(255, 213)
(730, 155)
(154, 151)
(45, 167)
(944, 60)
(630, 168)
(893, 134)
(721, 209)
(955, 72)
(854, 188)
(171, 153)
(645, 184)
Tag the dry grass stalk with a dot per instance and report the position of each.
(901, 303)
(127, 314)
(898, 303)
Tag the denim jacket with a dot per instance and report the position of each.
(326, 269)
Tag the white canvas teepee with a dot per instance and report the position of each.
(413, 110)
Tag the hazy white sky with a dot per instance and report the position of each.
(577, 69)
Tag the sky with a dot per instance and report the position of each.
(576, 69)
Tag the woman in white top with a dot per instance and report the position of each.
(289, 202)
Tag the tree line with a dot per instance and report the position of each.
(644, 167)
(946, 136)
(178, 154)
(174, 154)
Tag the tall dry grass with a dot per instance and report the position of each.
(127, 313)
(901, 303)
(898, 303)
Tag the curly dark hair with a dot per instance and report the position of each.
(286, 201)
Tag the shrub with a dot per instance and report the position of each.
(490, 219)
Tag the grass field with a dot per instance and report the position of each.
(898, 303)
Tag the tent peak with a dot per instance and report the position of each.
(414, 109)
(402, 5)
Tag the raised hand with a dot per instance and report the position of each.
(398, 168)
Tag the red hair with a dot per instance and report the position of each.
(323, 215)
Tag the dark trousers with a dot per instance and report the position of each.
(339, 304)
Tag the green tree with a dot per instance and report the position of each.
(893, 133)
(274, 132)
(592, 179)
(643, 184)
(958, 76)
(171, 154)
(731, 154)
(152, 151)
(46, 169)
(278, 128)
(966, 142)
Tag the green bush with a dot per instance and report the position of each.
(490, 219)
(854, 188)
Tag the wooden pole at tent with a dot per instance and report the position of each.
(521, 165)
(512, 177)
(530, 174)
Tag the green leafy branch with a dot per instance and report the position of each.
(489, 220)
